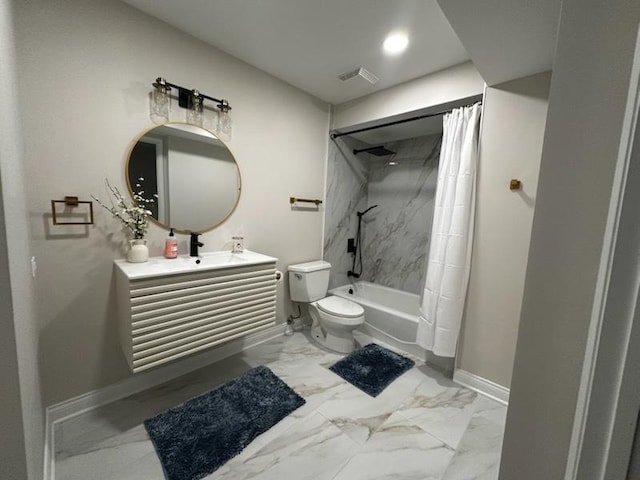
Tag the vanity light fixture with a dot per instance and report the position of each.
(190, 99)
(395, 43)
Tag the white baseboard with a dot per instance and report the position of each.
(482, 385)
(140, 382)
(49, 449)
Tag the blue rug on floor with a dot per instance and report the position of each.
(196, 438)
(372, 368)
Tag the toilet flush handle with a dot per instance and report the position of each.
(298, 276)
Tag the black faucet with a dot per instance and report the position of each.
(194, 244)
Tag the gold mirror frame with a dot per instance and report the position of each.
(154, 220)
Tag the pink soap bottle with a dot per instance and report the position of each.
(171, 246)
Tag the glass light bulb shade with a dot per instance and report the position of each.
(224, 129)
(160, 105)
(195, 115)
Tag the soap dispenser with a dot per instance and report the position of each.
(171, 246)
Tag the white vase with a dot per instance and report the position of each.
(138, 251)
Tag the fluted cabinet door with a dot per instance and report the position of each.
(167, 317)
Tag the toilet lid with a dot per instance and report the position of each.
(340, 307)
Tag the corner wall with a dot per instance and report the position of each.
(21, 408)
(514, 116)
(435, 90)
(99, 58)
(591, 74)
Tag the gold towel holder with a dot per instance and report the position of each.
(71, 201)
(293, 200)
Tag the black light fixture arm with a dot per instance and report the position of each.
(188, 98)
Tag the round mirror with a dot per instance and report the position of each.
(191, 174)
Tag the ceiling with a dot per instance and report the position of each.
(309, 43)
(507, 39)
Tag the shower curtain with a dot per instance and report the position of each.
(451, 235)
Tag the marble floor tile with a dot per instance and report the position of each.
(491, 410)
(441, 408)
(290, 349)
(314, 450)
(411, 430)
(312, 382)
(357, 414)
(478, 455)
(147, 467)
(398, 450)
(101, 459)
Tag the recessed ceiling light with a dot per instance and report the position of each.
(395, 43)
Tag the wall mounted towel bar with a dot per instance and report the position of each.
(293, 200)
(70, 201)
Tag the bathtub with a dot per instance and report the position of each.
(391, 316)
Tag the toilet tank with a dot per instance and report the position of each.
(309, 281)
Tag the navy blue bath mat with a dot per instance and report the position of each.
(372, 368)
(196, 438)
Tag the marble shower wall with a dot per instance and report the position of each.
(398, 231)
(346, 194)
(396, 234)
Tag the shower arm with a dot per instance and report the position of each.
(360, 214)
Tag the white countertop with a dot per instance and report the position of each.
(156, 266)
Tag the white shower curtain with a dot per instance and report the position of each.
(451, 234)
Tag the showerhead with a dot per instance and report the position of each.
(378, 151)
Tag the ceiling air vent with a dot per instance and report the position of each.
(359, 72)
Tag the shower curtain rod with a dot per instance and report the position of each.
(397, 122)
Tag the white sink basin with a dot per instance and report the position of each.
(184, 263)
(212, 259)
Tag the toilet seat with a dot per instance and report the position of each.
(340, 307)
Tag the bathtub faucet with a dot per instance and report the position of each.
(353, 274)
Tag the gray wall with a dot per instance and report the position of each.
(440, 88)
(13, 456)
(21, 409)
(589, 87)
(99, 58)
(510, 147)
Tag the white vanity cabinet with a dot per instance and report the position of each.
(170, 308)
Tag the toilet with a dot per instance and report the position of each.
(334, 318)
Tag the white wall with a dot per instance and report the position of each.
(510, 147)
(437, 89)
(86, 67)
(21, 409)
(586, 108)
